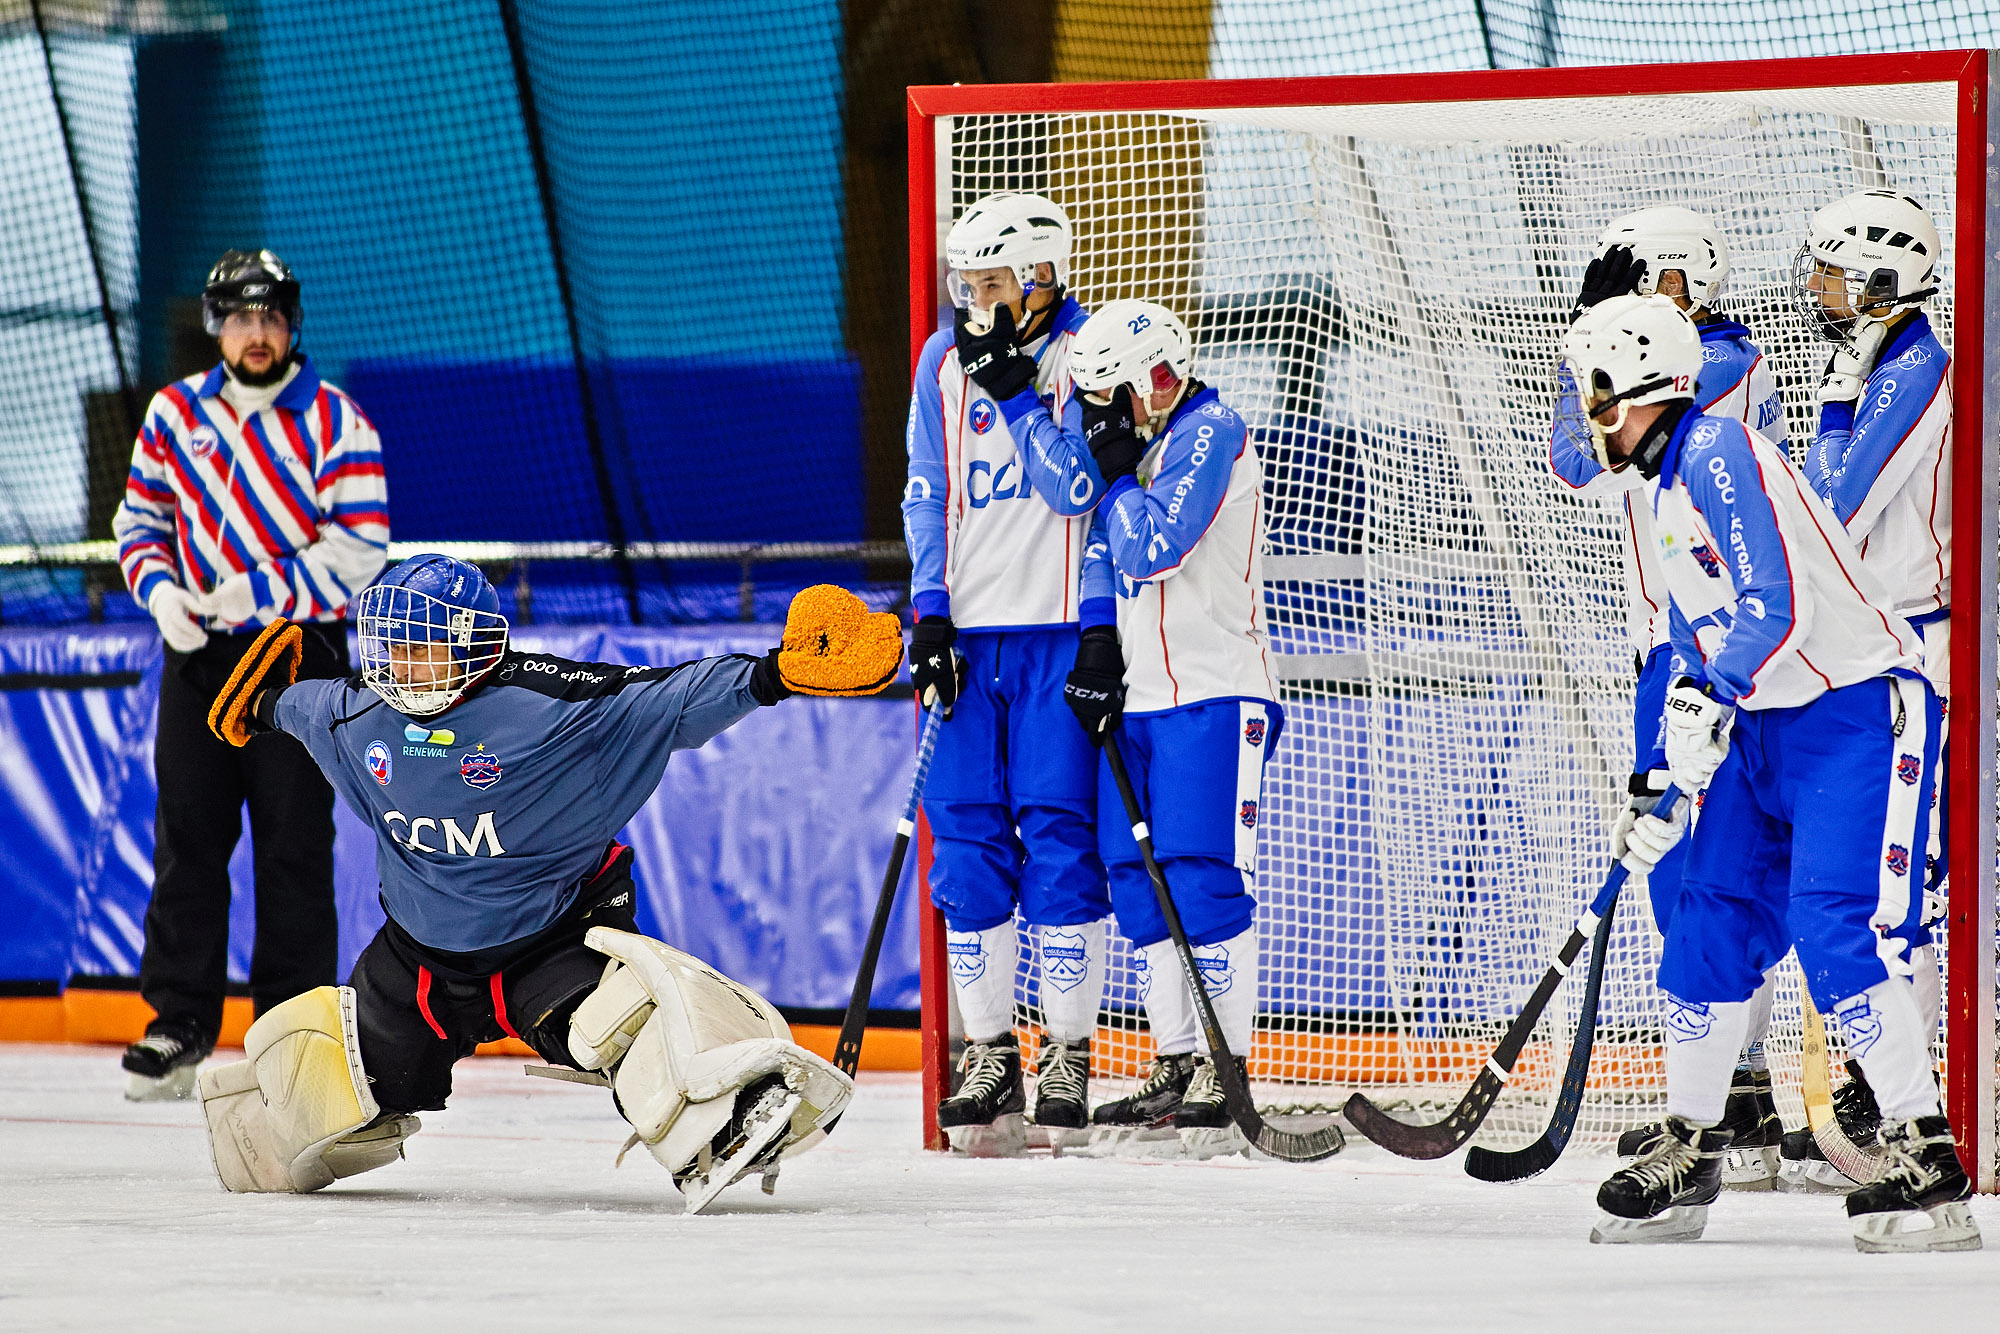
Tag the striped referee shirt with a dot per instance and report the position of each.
(293, 493)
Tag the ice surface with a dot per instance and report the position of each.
(509, 1215)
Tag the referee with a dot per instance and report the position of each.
(256, 492)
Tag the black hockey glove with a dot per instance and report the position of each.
(1113, 439)
(1095, 690)
(936, 670)
(1616, 272)
(995, 360)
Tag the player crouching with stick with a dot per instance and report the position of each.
(495, 781)
(1802, 708)
(1173, 567)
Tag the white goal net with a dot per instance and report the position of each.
(1380, 290)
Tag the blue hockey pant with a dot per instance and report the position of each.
(1011, 790)
(1199, 775)
(1811, 836)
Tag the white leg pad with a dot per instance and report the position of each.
(696, 1042)
(277, 1119)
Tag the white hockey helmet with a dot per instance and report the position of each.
(1009, 230)
(1671, 237)
(1874, 251)
(1625, 351)
(1136, 343)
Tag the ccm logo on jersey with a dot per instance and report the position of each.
(984, 485)
(457, 843)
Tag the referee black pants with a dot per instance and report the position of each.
(204, 783)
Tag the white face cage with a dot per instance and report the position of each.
(1867, 296)
(421, 653)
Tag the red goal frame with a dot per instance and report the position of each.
(1975, 418)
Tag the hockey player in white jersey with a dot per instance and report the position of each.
(1881, 460)
(1801, 707)
(1175, 664)
(996, 511)
(1675, 252)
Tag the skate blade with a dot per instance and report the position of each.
(1148, 1142)
(1005, 1137)
(1750, 1169)
(175, 1085)
(1812, 1176)
(1681, 1223)
(1056, 1139)
(1942, 1227)
(698, 1192)
(1202, 1143)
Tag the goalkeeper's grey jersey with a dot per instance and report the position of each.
(489, 816)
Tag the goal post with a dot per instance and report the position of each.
(1376, 271)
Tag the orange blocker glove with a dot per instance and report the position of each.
(274, 653)
(834, 645)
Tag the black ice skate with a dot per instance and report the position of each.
(1803, 1166)
(1062, 1085)
(749, 1143)
(1664, 1194)
(1755, 1133)
(1919, 1204)
(162, 1065)
(983, 1119)
(1203, 1122)
(1147, 1114)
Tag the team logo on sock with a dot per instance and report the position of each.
(1065, 959)
(480, 767)
(1909, 768)
(1142, 975)
(1253, 732)
(1898, 859)
(380, 764)
(967, 955)
(981, 417)
(1861, 1024)
(1688, 1021)
(1248, 814)
(1212, 962)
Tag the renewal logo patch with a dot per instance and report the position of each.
(1065, 959)
(441, 737)
(380, 763)
(479, 767)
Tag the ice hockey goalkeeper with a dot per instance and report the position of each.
(495, 781)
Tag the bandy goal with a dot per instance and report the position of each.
(1376, 271)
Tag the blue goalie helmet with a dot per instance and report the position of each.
(429, 630)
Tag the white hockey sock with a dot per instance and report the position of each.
(1229, 971)
(1889, 1038)
(1703, 1041)
(982, 972)
(1072, 979)
(1169, 1003)
(1929, 986)
(1760, 1021)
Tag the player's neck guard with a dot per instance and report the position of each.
(1652, 446)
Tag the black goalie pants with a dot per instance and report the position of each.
(422, 1010)
(204, 784)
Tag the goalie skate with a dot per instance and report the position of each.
(750, 1143)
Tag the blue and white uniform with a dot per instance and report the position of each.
(1807, 829)
(1883, 465)
(1176, 561)
(1735, 383)
(996, 512)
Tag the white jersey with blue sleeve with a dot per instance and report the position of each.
(1735, 383)
(1769, 602)
(997, 506)
(1883, 465)
(1180, 554)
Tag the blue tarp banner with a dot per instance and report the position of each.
(761, 853)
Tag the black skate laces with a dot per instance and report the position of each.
(1062, 1071)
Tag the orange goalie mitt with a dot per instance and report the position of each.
(835, 646)
(274, 652)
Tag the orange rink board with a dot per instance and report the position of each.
(119, 1017)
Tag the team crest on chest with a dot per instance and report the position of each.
(379, 761)
(1253, 732)
(479, 767)
(982, 416)
(203, 441)
(1909, 768)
